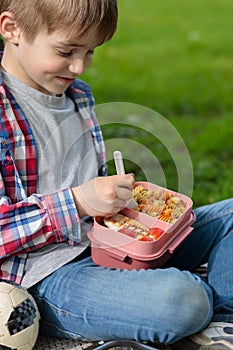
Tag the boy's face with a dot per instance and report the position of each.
(51, 63)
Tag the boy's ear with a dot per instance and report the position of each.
(9, 28)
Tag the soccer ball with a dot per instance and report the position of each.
(19, 317)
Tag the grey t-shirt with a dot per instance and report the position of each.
(66, 158)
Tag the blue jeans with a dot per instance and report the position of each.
(83, 300)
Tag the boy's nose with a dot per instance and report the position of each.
(77, 66)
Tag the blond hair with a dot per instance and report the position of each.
(76, 16)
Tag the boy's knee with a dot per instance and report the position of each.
(178, 306)
(190, 310)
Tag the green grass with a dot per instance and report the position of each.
(176, 58)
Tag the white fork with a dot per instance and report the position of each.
(120, 169)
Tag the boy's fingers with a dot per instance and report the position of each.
(124, 189)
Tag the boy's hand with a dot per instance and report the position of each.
(103, 196)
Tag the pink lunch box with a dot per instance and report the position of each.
(113, 249)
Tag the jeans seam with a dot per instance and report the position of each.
(211, 218)
(63, 330)
(58, 309)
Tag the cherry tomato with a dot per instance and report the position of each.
(155, 232)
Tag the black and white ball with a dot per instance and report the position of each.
(19, 317)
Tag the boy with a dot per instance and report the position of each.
(53, 181)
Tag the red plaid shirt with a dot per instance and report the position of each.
(29, 220)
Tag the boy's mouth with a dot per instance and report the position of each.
(65, 80)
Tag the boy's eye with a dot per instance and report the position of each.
(65, 53)
(69, 53)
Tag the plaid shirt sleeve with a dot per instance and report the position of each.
(31, 224)
(36, 221)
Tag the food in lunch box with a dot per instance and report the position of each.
(160, 204)
(132, 228)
